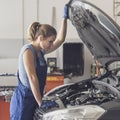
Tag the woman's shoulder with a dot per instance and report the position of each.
(27, 46)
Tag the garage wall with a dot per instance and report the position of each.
(16, 15)
(10, 28)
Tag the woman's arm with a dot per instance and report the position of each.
(60, 37)
(28, 59)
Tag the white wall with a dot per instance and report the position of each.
(16, 15)
(10, 19)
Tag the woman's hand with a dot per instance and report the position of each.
(66, 12)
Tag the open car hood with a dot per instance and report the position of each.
(97, 30)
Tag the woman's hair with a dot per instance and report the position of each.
(36, 29)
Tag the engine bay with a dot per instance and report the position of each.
(100, 91)
(92, 91)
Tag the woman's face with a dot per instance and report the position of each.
(47, 43)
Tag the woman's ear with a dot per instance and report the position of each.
(41, 38)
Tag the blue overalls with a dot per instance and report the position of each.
(23, 103)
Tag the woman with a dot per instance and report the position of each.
(33, 69)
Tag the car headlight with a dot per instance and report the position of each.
(86, 112)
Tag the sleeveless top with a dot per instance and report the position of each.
(40, 66)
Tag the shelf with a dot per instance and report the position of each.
(116, 2)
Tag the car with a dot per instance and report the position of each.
(95, 98)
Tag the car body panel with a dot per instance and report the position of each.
(97, 30)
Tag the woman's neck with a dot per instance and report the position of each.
(36, 46)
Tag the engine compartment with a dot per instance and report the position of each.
(92, 91)
(89, 96)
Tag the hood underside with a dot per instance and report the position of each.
(97, 30)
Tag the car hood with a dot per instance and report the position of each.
(97, 30)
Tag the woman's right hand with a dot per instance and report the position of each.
(47, 104)
(66, 11)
